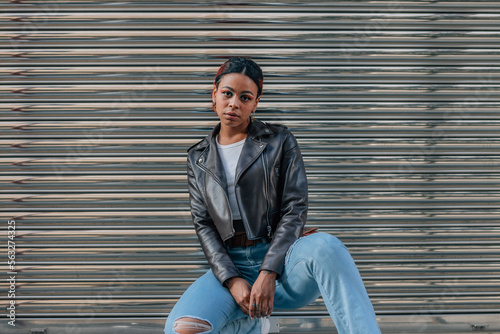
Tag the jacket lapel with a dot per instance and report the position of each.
(250, 152)
(214, 164)
(211, 162)
(252, 149)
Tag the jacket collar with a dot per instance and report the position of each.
(256, 130)
(210, 161)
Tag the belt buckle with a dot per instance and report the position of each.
(242, 241)
(236, 241)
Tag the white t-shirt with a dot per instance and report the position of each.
(230, 154)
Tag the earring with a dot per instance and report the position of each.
(213, 105)
(252, 116)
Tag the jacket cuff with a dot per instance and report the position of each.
(276, 266)
(226, 274)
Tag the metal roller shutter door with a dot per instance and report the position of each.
(394, 104)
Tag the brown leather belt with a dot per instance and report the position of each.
(240, 240)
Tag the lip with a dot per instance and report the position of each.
(231, 115)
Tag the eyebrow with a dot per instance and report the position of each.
(245, 91)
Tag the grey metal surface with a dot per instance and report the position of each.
(395, 106)
(421, 323)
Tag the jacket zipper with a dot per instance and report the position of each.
(269, 228)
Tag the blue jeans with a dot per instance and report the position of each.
(315, 264)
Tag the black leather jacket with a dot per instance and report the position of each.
(271, 191)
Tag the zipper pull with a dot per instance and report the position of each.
(269, 231)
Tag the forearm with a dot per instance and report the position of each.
(294, 204)
(220, 262)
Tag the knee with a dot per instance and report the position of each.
(328, 246)
(325, 241)
(188, 325)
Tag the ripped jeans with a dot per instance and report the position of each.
(316, 264)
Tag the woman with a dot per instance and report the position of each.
(248, 196)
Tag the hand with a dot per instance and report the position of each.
(262, 295)
(240, 290)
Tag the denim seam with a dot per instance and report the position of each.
(285, 277)
(341, 315)
(287, 256)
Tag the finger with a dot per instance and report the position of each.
(251, 305)
(266, 313)
(270, 306)
(244, 308)
(263, 309)
(246, 303)
(251, 309)
(269, 312)
(258, 310)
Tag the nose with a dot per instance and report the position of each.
(234, 102)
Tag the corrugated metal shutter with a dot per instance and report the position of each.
(395, 105)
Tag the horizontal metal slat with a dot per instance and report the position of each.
(394, 107)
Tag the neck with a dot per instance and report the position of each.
(229, 135)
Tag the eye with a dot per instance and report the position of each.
(227, 93)
(246, 98)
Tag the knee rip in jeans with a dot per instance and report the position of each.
(190, 325)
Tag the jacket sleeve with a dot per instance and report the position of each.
(210, 240)
(294, 203)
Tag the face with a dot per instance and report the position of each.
(235, 99)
